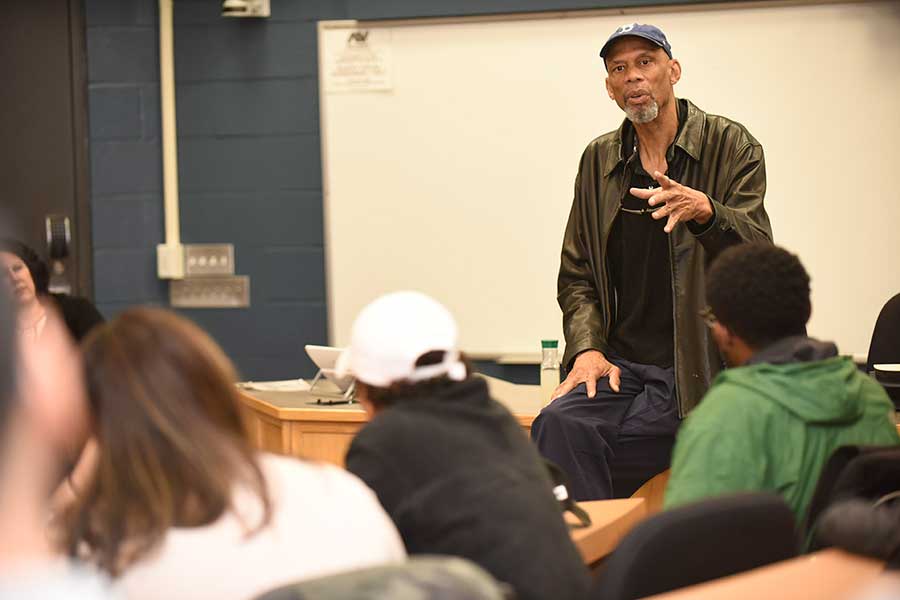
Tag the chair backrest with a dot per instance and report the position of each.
(864, 528)
(885, 345)
(420, 578)
(865, 472)
(698, 542)
(821, 498)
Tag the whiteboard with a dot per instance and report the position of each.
(456, 178)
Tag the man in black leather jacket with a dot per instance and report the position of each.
(655, 201)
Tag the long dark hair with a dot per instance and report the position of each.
(171, 437)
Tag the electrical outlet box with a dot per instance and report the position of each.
(211, 292)
(246, 8)
(205, 260)
(170, 261)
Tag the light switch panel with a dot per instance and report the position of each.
(211, 292)
(204, 260)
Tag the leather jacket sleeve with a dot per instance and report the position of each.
(584, 321)
(739, 215)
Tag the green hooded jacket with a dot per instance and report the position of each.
(772, 424)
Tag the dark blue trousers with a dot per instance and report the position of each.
(609, 445)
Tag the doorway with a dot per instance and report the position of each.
(43, 130)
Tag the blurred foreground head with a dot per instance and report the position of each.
(42, 417)
(41, 385)
(172, 445)
(8, 358)
(41, 388)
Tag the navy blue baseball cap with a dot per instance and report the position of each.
(648, 32)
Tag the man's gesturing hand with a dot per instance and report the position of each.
(589, 366)
(681, 203)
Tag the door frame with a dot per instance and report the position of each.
(81, 149)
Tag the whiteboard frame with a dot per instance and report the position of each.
(512, 356)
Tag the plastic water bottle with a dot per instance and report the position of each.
(549, 369)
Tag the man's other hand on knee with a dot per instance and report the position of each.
(589, 366)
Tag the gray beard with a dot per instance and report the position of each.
(639, 116)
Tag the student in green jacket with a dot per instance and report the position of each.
(771, 421)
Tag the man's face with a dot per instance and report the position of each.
(640, 78)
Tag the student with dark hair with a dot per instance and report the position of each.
(770, 422)
(28, 278)
(451, 466)
(179, 504)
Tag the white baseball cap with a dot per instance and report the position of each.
(391, 333)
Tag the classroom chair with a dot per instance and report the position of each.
(885, 344)
(862, 472)
(885, 347)
(420, 578)
(696, 543)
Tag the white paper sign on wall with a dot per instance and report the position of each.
(357, 60)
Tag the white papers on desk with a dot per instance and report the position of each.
(286, 385)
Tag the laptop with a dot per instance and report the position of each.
(325, 358)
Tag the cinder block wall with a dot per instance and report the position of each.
(249, 166)
(248, 157)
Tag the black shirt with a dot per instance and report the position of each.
(78, 313)
(459, 476)
(640, 266)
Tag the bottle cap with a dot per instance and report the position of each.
(549, 343)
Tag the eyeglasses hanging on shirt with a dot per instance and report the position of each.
(636, 170)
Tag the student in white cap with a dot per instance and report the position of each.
(451, 466)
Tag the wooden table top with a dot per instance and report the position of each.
(522, 400)
(611, 520)
(826, 575)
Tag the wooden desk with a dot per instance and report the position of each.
(611, 520)
(826, 575)
(292, 423)
(654, 492)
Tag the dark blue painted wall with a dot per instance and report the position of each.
(249, 166)
(248, 158)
